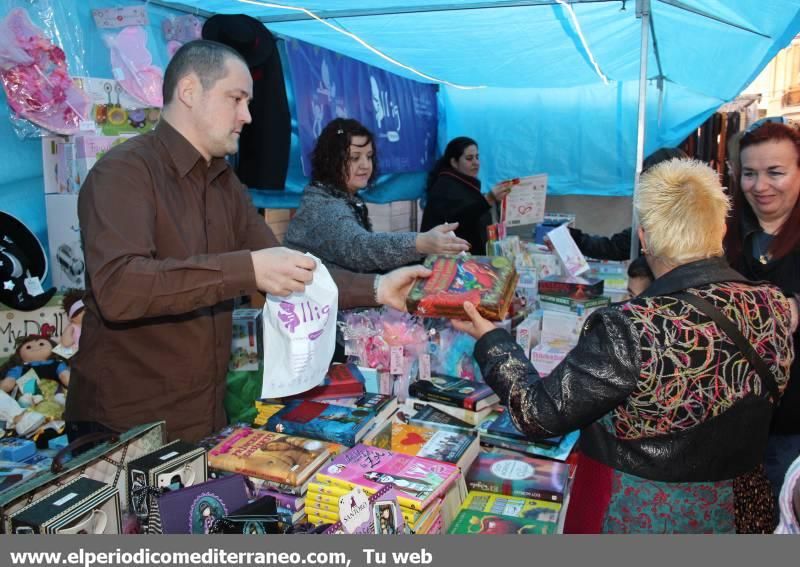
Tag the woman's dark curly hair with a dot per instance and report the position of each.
(330, 154)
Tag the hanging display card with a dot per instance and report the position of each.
(525, 203)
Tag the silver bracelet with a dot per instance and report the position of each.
(375, 284)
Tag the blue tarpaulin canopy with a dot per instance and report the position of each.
(544, 106)
(559, 79)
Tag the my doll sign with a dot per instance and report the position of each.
(299, 336)
(49, 320)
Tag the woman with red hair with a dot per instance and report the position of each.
(763, 244)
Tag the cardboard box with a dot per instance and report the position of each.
(529, 331)
(545, 358)
(560, 328)
(67, 266)
(88, 149)
(247, 344)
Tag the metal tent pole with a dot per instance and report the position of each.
(642, 13)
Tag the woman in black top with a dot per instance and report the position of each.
(454, 194)
(763, 244)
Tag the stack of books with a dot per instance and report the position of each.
(512, 496)
(276, 464)
(428, 492)
(463, 399)
(498, 432)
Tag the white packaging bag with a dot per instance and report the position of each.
(299, 336)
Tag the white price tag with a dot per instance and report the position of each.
(87, 126)
(34, 286)
(397, 361)
(425, 367)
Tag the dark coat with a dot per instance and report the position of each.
(454, 197)
(784, 273)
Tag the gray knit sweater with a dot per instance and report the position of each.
(328, 226)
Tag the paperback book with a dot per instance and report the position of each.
(276, 457)
(503, 426)
(418, 481)
(525, 477)
(317, 420)
(457, 392)
(484, 513)
(431, 417)
(451, 447)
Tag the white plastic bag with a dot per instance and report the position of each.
(299, 336)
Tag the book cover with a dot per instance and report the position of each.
(569, 286)
(430, 416)
(458, 392)
(572, 305)
(472, 417)
(418, 481)
(272, 456)
(484, 513)
(525, 477)
(382, 404)
(318, 420)
(440, 445)
(341, 381)
(504, 427)
(486, 281)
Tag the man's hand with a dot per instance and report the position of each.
(281, 271)
(394, 286)
(477, 326)
(441, 240)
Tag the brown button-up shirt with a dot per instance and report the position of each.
(167, 240)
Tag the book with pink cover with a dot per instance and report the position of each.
(418, 480)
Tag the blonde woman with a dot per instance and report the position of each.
(673, 415)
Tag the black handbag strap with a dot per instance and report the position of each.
(732, 330)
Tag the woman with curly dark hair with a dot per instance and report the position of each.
(332, 221)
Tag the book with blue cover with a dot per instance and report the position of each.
(504, 427)
(326, 422)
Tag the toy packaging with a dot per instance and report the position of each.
(486, 281)
(247, 345)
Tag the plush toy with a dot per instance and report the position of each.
(34, 352)
(22, 421)
(74, 308)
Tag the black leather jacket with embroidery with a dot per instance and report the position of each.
(656, 389)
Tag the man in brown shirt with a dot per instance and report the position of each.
(170, 239)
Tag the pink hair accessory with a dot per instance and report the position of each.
(74, 309)
(34, 75)
(131, 64)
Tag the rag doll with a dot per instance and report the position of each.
(34, 352)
